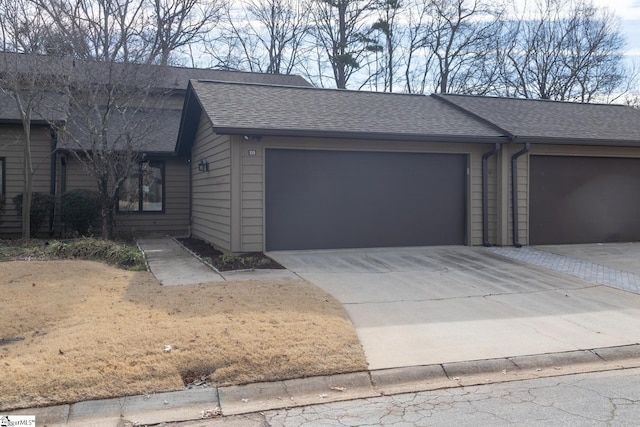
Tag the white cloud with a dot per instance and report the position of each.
(625, 9)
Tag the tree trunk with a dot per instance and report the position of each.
(107, 223)
(26, 205)
(28, 181)
(341, 81)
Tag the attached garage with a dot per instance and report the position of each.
(319, 199)
(297, 168)
(584, 199)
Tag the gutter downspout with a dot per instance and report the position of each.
(514, 193)
(485, 193)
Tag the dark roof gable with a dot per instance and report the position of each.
(303, 111)
(554, 121)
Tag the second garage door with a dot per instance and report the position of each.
(347, 199)
(584, 199)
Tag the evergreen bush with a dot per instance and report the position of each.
(41, 208)
(79, 210)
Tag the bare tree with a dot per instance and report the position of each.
(23, 29)
(282, 27)
(232, 47)
(458, 39)
(112, 116)
(261, 36)
(174, 24)
(564, 51)
(99, 100)
(389, 28)
(24, 37)
(32, 92)
(104, 30)
(449, 46)
(110, 95)
(417, 61)
(343, 30)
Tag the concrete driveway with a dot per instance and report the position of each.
(422, 306)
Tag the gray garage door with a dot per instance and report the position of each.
(584, 200)
(346, 199)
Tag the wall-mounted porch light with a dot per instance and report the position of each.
(252, 137)
(203, 165)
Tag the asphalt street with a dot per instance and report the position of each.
(610, 398)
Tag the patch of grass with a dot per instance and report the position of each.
(118, 254)
(121, 255)
(22, 249)
(92, 331)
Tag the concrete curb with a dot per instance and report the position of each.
(199, 404)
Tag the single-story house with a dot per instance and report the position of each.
(164, 206)
(290, 168)
(254, 162)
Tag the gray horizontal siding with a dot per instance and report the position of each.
(211, 200)
(12, 150)
(76, 175)
(175, 218)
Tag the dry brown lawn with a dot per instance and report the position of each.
(92, 331)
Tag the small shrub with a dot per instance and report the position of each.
(125, 256)
(79, 210)
(41, 208)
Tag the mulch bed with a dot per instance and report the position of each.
(226, 262)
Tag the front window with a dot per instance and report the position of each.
(143, 190)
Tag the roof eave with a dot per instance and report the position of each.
(34, 122)
(484, 139)
(577, 141)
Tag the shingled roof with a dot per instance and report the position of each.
(278, 110)
(297, 111)
(174, 78)
(152, 130)
(46, 107)
(161, 138)
(553, 121)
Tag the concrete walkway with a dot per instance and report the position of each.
(173, 265)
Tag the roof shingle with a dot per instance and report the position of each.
(151, 130)
(266, 109)
(553, 120)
